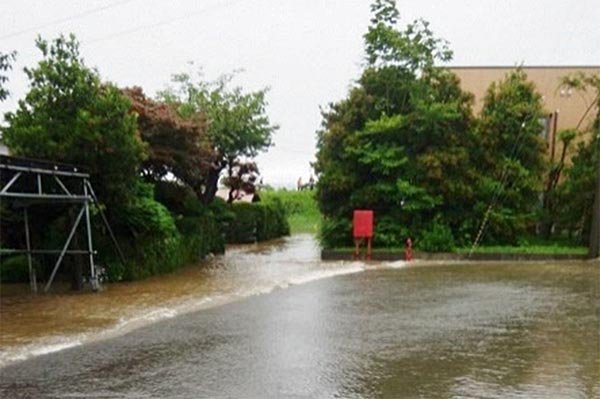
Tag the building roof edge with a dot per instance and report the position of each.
(522, 66)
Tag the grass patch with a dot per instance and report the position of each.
(496, 249)
(527, 249)
(301, 207)
(532, 245)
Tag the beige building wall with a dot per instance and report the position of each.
(570, 107)
(565, 108)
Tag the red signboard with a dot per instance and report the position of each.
(362, 224)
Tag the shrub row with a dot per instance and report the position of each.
(158, 233)
(257, 222)
(337, 233)
(146, 256)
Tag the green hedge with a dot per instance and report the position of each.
(15, 269)
(257, 222)
(159, 239)
(198, 232)
(273, 222)
(337, 233)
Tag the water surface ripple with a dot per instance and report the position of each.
(371, 331)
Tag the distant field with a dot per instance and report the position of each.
(303, 213)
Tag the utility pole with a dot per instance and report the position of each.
(594, 250)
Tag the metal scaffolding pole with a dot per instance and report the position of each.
(105, 220)
(32, 277)
(64, 250)
(93, 276)
(27, 182)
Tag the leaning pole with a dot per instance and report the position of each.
(594, 250)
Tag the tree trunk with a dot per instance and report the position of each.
(230, 197)
(548, 204)
(211, 188)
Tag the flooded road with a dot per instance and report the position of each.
(368, 331)
(37, 324)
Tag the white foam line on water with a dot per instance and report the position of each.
(44, 350)
(126, 324)
(53, 344)
(354, 267)
(400, 264)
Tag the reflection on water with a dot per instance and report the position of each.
(448, 331)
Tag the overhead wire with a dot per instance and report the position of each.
(125, 32)
(66, 19)
(498, 193)
(147, 26)
(164, 22)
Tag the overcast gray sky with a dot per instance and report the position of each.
(307, 51)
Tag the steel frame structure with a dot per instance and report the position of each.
(33, 181)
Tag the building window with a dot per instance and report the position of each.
(545, 124)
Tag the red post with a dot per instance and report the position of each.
(362, 228)
(408, 253)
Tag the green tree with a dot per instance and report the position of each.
(400, 143)
(68, 115)
(414, 48)
(238, 125)
(5, 65)
(240, 179)
(177, 147)
(512, 156)
(556, 168)
(575, 193)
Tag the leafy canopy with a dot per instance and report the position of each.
(399, 143)
(576, 192)
(68, 115)
(414, 48)
(177, 147)
(238, 125)
(5, 65)
(513, 156)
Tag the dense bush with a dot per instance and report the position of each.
(70, 115)
(512, 154)
(400, 143)
(437, 239)
(576, 193)
(144, 215)
(273, 220)
(132, 152)
(15, 269)
(242, 229)
(573, 207)
(389, 233)
(405, 143)
(196, 237)
(257, 222)
(185, 235)
(335, 232)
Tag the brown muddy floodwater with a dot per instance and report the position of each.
(273, 321)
